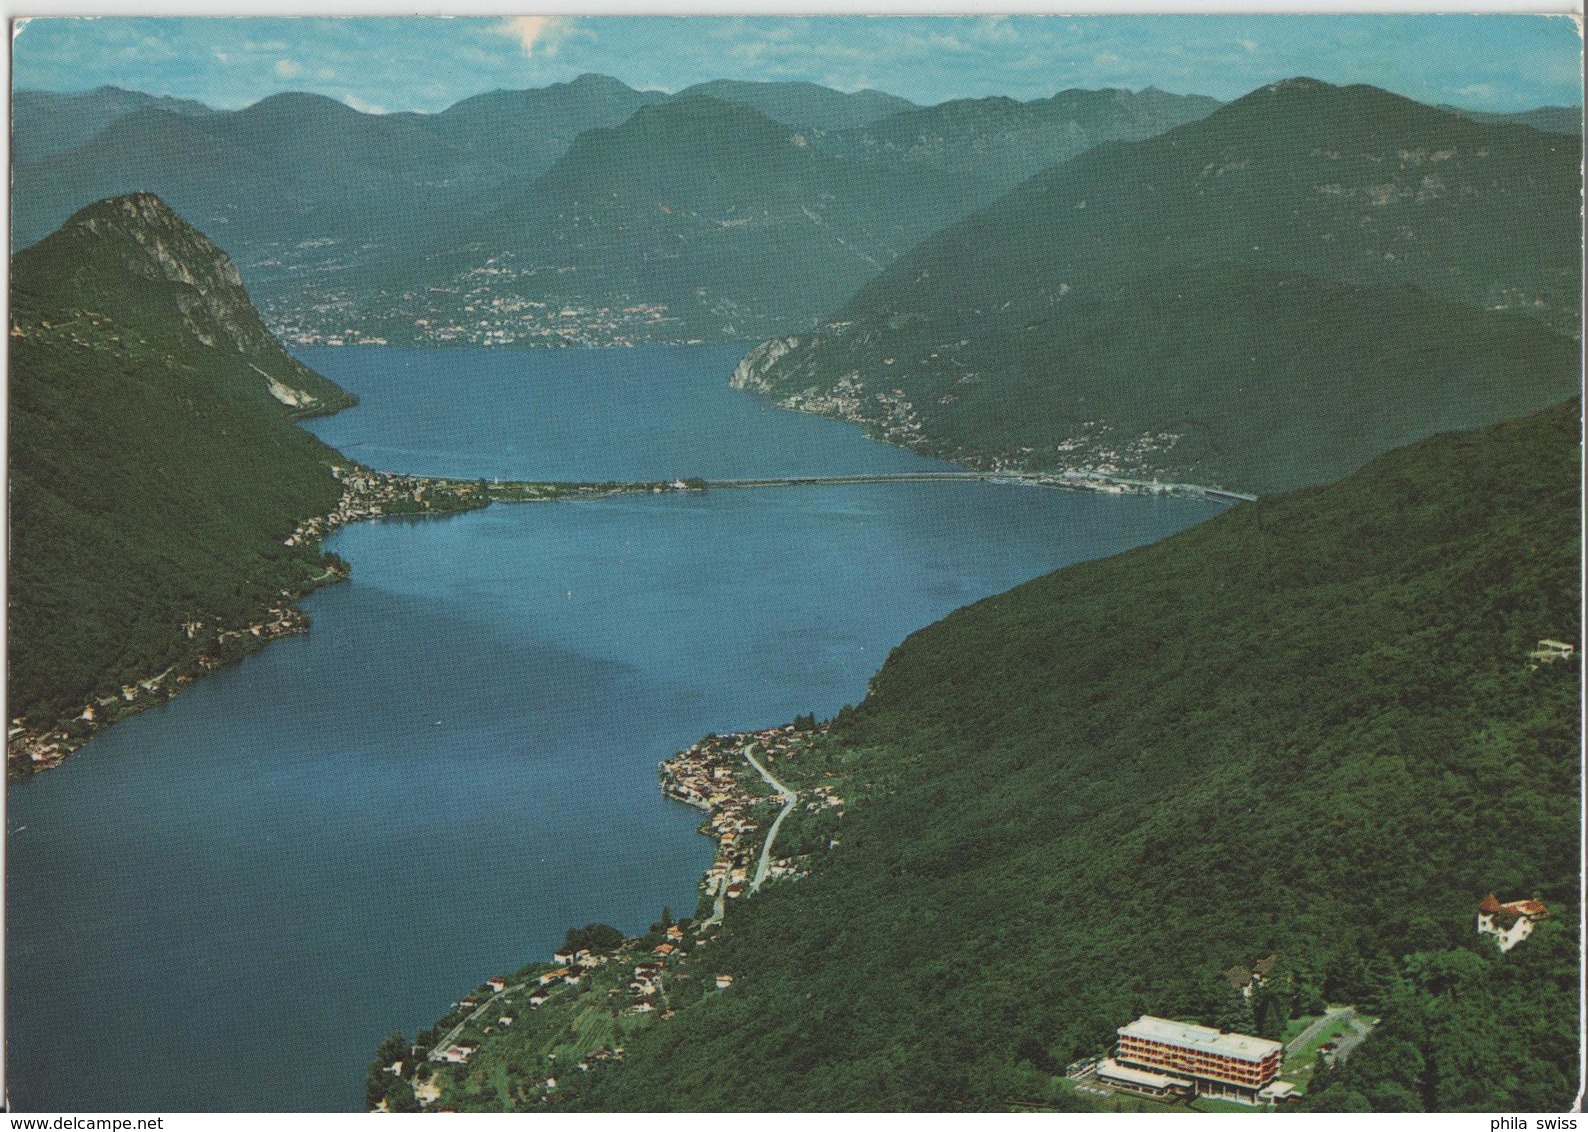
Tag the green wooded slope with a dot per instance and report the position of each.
(153, 473)
(1262, 299)
(1307, 727)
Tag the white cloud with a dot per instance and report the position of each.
(994, 29)
(1249, 45)
(287, 69)
(537, 35)
(361, 106)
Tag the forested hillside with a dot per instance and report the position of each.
(155, 467)
(1004, 141)
(1334, 265)
(718, 218)
(1308, 727)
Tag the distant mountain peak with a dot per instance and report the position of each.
(151, 226)
(294, 102)
(1314, 107)
(805, 104)
(140, 206)
(593, 79)
(1301, 83)
(694, 108)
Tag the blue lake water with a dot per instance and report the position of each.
(226, 902)
(580, 415)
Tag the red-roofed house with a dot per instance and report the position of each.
(1509, 923)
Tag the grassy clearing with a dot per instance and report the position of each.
(1298, 1066)
(1214, 1104)
(1297, 1026)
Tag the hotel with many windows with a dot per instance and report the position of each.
(1159, 1057)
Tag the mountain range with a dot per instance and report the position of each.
(407, 227)
(338, 219)
(1003, 141)
(1263, 298)
(726, 220)
(45, 122)
(702, 219)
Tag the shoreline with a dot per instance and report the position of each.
(1070, 481)
(371, 495)
(723, 775)
(707, 776)
(366, 495)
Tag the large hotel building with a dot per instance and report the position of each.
(1164, 1058)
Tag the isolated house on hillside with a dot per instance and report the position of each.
(1510, 923)
(1550, 651)
(1248, 982)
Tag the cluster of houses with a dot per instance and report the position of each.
(713, 775)
(41, 748)
(38, 749)
(645, 988)
(707, 776)
(642, 995)
(370, 495)
(471, 311)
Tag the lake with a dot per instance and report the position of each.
(226, 902)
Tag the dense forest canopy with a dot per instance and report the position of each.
(1308, 727)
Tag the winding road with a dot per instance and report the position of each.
(771, 836)
(1331, 1015)
(452, 1034)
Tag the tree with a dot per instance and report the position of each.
(393, 1048)
(400, 1097)
(593, 937)
(1341, 1100)
(375, 1085)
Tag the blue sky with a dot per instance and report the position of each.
(1480, 61)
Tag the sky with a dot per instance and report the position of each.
(1498, 62)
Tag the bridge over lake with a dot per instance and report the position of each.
(1036, 479)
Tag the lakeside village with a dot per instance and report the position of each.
(530, 1038)
(208, 643)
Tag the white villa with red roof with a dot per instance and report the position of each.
(1510, 923)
